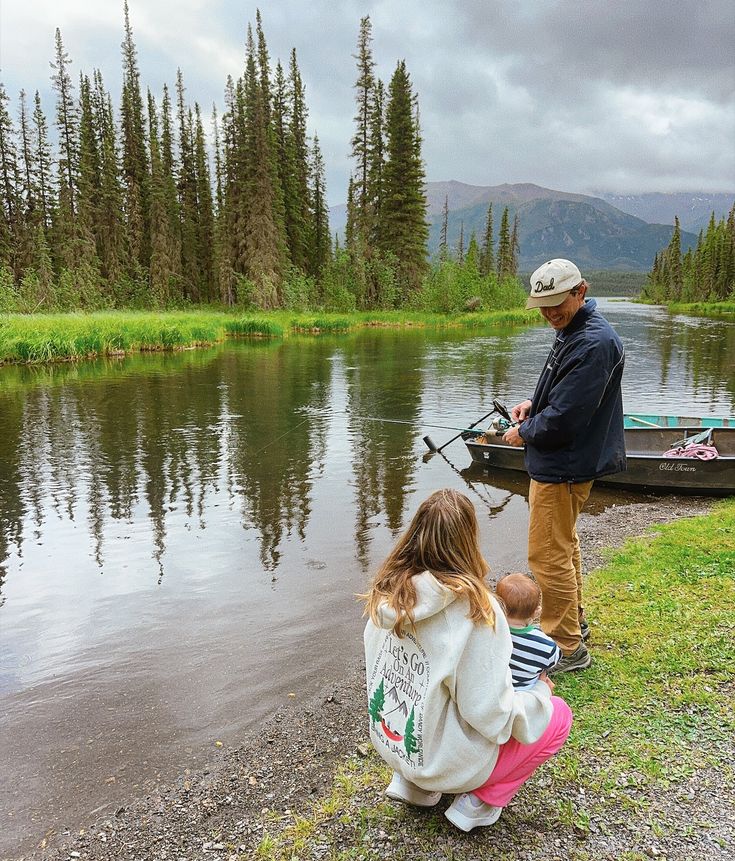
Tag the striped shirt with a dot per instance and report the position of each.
(533, 652)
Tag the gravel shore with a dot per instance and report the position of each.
(219, 812)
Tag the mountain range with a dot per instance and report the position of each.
(594, 232)
(694, 209)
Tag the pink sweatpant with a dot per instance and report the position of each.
(517, 762)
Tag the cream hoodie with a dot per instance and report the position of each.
(441, 698)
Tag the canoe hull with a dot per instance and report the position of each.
(646, 470)
(637, 420)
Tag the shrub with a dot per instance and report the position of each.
(340, 286)
(245, 291)
(8, 293)
(299, 291)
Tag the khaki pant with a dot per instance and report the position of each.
(554, 557)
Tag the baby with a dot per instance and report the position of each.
(533, 651)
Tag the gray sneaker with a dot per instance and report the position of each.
(585, 629)
(580, 659)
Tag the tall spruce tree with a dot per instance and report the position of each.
(89, 179)
(279, 217)
(405, 229)
(218, 166)
(263, 237)
(222, 261)
(444, 231)
(27, 169)
(67, 124)
(205, 212)
(43, 162)
(299, 232)
(351, 222)
(9, 204)
(111, 232)
(163, 266)
(238, 159)
(376, 165)
(187, 188)
(134, 153)
(67, 120)
(80, 284)
(674, 260)
(487, 253)
(319, 249)
(514, 247)
(505, 249)
(86, 266)
(230, 231)
(364, 97)
(169, 170)
(472, 258)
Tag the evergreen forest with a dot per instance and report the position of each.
(705, 273)
(151, 204)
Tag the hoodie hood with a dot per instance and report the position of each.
(431, 598)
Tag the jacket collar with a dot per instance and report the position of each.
(581, 317)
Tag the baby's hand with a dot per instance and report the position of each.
(547, 681)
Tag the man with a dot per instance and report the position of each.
(573, 432)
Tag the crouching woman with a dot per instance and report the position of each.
(443, 712)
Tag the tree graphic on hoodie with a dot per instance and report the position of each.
(377, 702)
(409, 739)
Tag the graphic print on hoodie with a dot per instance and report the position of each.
(397, 693)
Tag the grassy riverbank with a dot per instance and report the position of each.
(652, 715)
(703, 309)
(35, 338)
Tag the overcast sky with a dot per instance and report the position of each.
(577, 95)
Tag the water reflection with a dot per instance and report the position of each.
(384, 379)
(705, 352)
(497, 487)
(187, 531)
(252, 427)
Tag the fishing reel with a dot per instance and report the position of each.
(500, 425)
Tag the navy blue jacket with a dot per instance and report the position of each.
(575, 427)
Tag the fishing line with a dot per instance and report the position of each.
(414, 424)
(466, 480)
(285, 433)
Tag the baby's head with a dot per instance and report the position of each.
(520, 595)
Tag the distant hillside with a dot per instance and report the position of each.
(589, 230)
(694, 209)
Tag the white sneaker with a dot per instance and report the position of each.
(467, 811)
(400, 789)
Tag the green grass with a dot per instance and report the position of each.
(654, 707)
(34, 338)
(664, 627)
(704, 309)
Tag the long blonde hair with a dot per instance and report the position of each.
(443, 539)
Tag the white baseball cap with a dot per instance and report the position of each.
(551, 283)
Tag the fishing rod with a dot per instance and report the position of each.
(470, 485)
(432, 448)
(497, 408)
(400, 422)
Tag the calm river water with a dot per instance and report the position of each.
(182, 536)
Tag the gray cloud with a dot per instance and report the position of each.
(628, 97)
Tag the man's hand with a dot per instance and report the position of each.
(512, 437)
(520, 411)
